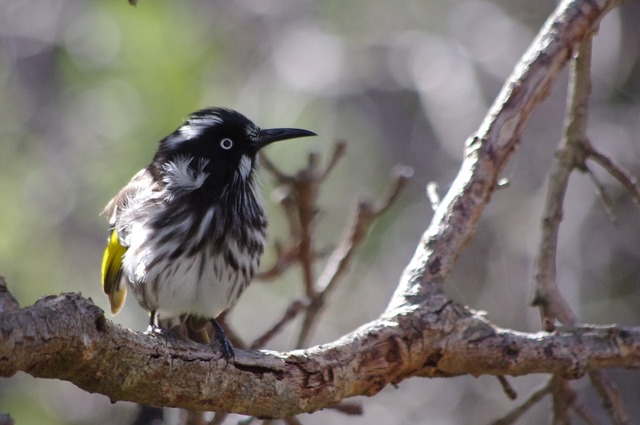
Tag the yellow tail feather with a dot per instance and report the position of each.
(112, 283)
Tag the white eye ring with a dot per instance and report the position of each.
(226, 144)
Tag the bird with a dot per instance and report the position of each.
(187, 232)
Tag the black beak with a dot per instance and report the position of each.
(276, 134)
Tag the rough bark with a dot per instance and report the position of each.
(68, 337)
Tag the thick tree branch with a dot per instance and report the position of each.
(457, 216)
(75, 342)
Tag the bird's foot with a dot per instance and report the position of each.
(158, 332)
(223, 341)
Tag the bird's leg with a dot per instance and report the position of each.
(156, 330)
(221, 338)
(197, 329)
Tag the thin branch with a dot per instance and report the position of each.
(626, 180)
(280, 176)
(516, 413)
(339, 150)
(288, 256)
(232, 335)
(298, 196)
(292, 421)
(602, 193)
(8, 303)
(570, 156)
(191, 418)
(362, 220)
(285, 258)
(348, 408)
(432, 195)
(291, 313)
(584, 412)
(507, 388)
(563, 399)
(304, 188)
(218, 418)
(611, 397)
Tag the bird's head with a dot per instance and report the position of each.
(213, 148)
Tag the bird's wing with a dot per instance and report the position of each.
(113, 283)
(140, 181)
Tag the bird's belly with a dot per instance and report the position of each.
(197, 285)
(204, 285)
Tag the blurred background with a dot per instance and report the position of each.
(88, 88)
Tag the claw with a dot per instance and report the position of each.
(223, 341)
(156, 330)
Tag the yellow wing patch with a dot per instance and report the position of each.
(112, 283)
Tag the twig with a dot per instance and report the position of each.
(339, 149)
(507, 388)
(292, 420)
(516, 413)
(618, 173)
(232, 335)
(348, 408)
(611, 397)
(570, 156)
(603, 195)
(218, 418)
(190, 417)
(563, 399)
(300, 203)
(298, 197)
(366, 213)
(292, 311)
(305, 190)
(285, 258)
(432, 195)
(585, 413)
(575, 149)
(362, 221)
(8, 302)
(289, 255)
(280, 176)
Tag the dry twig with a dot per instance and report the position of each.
(516, 413)
(292, 311)
(507, 388)
(628, 182)
(362, 220)
(299, 196)
(574, 150)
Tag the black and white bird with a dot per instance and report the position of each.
(188, 231)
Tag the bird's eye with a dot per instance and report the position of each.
(226, 144)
